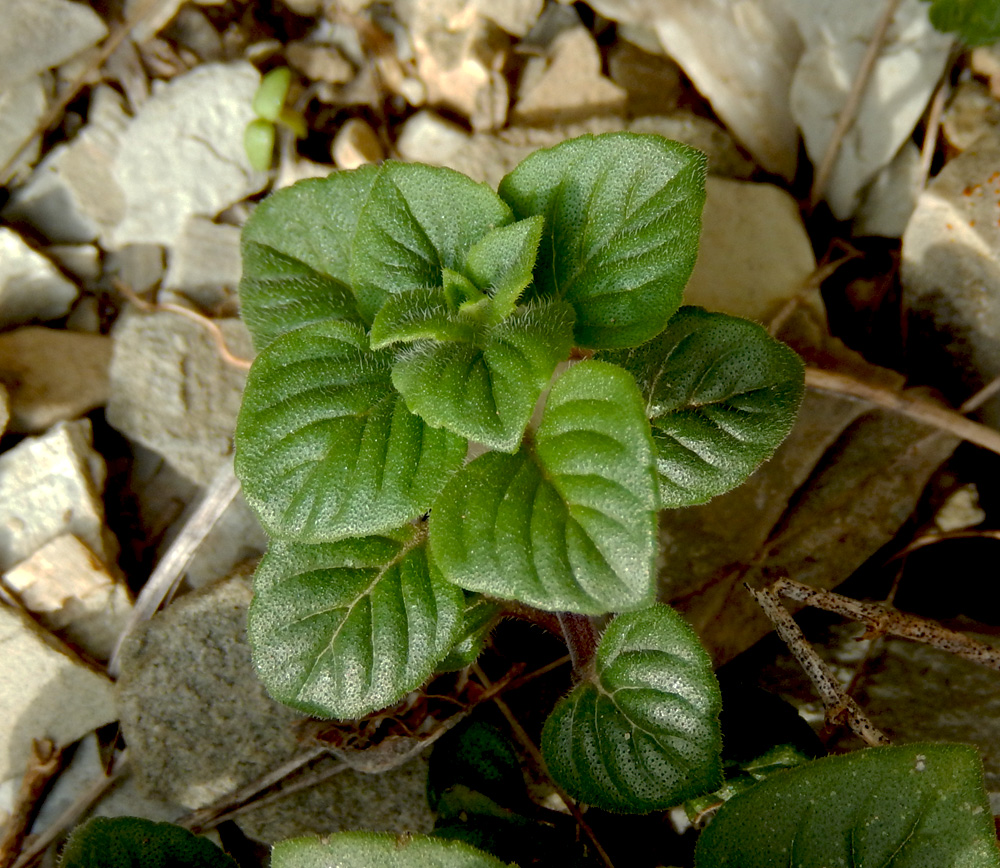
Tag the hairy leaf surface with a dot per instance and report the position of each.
(502, 263)
(642, 733)
(721, 395)
(914, 806)
(417, 221)
(569, 524)
(976, 22)
(297, 252)
(379, 850)
(325, 447)
(487, 393)
(622, 220)
(343, 629)
(480, 616)
(124, 842)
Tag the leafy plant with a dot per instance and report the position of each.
(469, 402)
(124, 842)
(269, 106)
(975, 22)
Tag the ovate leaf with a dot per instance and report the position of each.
(417, 221)
(325, 447)
(343, 629)
(297, 252)
(487, 393)
(124, 842)
(622, 220)
(422, 314)
(379, 850)
(976, 22)
(915, 806)
(721, 395)
(503, 261)
(642, 733)
(570, 523)
(478, 620)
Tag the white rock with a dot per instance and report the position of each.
(72, 593)
(173, 392)
(72, 196)
(515, 16)
(205, 263)
(754, 253)
(319, 62)
(153, 18)
(356, 144)
(741, 55)
(49, 486)
(836, 34)
(83, 261)
(888, 202)
(569, 85)
(429, 138)
(52, 375)
(652, 81)
(972, 111)
(39, 34)
(31, 287)
(43, 694)
(22, 105)
(183, 154)
(951, 269)
(459, 58)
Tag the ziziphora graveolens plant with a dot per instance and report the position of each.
(404, 312)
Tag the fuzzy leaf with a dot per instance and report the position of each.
(721, 395)
(343, 629)
(417, 221)
(569, 524)
(379, 850)
(642, 733)
(487, 393)
(976, 22)
(478, 620)
(622, 220)
(325, 448)
(421, 314)
(124, 842)
(915, 806)
(502, 262)
(297, 252)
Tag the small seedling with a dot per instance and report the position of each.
(269, 106)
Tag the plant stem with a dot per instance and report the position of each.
(581, 640)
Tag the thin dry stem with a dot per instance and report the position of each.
(882, 620)
(850, 110)
(916, 408)
(44, 764)
(536, 755)
(839, 706)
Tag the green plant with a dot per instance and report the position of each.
(269, 106)
(408, 319)
(975, 22)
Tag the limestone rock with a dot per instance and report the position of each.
(426, 137)
(972, 111)
(68, 588)
(31, 288)
(951, 275)
(40, 34)
(888, 202)
(4, 408)
(173, 392)
(72, 196)
(356, 144)
(205, 264)
(183, 154)
(836, 36)
(52, 375)
(514, 16)
(49, 486)
(754, 254)
(319, 62)
(652, 81)
(22, 105)
(568, 85)
(43, 694)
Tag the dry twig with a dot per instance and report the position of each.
(839, 706)
(43, 765)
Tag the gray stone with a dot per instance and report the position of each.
(31, 287)
(205, 264)
(888, 202)
(183, 154)
(72, 196)
(199, 724)
(356, 144)
(52, 375)
(951, 275)
(172, 391)
(49, 486)
(40, 34)
(652, 81)
(972, 111)
(43, 694)
(22, 105)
